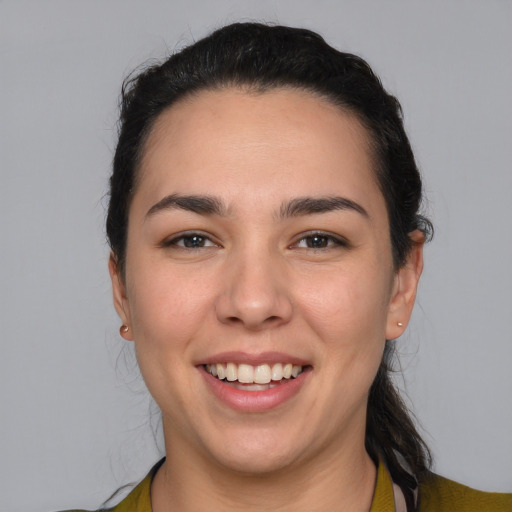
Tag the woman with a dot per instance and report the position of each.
(266, 243)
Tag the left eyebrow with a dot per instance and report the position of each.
(202, 205)
(311, 205)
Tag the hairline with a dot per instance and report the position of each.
(256, 89)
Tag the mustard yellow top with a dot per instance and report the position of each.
(437, 494)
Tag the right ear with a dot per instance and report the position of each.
(119, 295)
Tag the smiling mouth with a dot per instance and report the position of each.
(254, 378)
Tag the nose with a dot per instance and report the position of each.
(254, 294)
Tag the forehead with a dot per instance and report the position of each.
(279, 142)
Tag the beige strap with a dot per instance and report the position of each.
(400, 505)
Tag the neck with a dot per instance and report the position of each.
(334, 480)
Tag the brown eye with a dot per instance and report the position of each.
(194, 241)
(190, 241)
(317, 241)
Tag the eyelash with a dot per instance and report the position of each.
(180, 241)
(175, 241)
(332, 241)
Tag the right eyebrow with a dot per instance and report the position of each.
(202, 205)
(313, 205)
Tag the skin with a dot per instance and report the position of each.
(257, 285)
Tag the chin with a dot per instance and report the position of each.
(256, 454)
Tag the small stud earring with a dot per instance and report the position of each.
(400, 324)
(123, 329)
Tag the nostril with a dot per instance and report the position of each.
(235, 320)
(255, 311)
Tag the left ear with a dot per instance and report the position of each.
(120, 299)
(404, 288)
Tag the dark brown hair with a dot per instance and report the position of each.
(261, 57)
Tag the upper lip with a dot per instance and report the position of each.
(254, 359)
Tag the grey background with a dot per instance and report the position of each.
(74, 415)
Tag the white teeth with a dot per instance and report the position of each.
(245, 374)
(221, 372)
(261, 375)
(277, 371)
(231, 372)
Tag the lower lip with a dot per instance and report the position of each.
(255, 401)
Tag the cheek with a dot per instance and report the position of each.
(347, 310)
(169, 311)
(347, 301)
(167, 305)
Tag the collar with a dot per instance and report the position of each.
(387, 497)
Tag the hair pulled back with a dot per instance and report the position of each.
(259, 57)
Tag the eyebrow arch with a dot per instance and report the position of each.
(202, 205)
(311, 205)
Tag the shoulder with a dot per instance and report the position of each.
(438, 494)
(139, 499)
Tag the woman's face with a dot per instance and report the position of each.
(258, 243)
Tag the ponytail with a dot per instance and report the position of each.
(391, 434)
